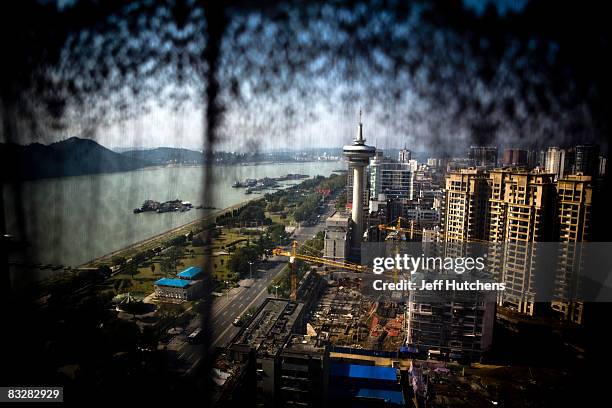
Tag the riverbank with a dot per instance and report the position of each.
(87, 220)
(151, 243)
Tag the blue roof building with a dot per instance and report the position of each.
(364, 372)
(176, 289)
(190, 273)
(367, 384)
(174, 283)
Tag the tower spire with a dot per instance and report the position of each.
(359, 139)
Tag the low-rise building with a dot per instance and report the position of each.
(175, 288)
(191, 273)
(260, 343)
(337, 236)
(185, 286)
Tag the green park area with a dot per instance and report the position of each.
(217, 254)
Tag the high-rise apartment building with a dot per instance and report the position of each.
(602, 165)
(455, 324)
(515, 157)
(587, 159)
(414, 165)
(532, 158)
(521, 212)
(559, 161)
(575, 196)
(437, 163)
(423, 183)
(555, 162)
(521, 206)
(513, 209)
(483, 156)
(466, 206)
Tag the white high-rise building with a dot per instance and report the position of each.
(394, 180)
(405, 155)
(555, 162)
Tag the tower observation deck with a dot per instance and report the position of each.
(358, 155)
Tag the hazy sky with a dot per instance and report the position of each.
(244, 131)
(262, 124)
(431, 76)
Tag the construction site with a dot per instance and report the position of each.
(345, 317)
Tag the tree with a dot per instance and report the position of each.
(239, 261)
(152, 268)
(341, 201)
(277, 234)
(167, 266)
(131, 268)
(307, 208)
(118, 260)
(252, 212)
(174, 256)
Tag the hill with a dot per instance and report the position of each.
(165, 155)
(70, 157)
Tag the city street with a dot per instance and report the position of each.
(228, 307)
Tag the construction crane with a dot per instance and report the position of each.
(412, 231)
(295, 255)
(398, 227)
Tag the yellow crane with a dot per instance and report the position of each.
(412, 231)
(295, 255)
(398, 227)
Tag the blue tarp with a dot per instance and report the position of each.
(362, 371)
(177, 283)
(190, 273)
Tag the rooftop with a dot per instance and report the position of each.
(190, 273)
(363, 371)
(301, 343)
(338, 219)
(172, 282)
(270, 329)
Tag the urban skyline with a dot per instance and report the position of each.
(305, 204)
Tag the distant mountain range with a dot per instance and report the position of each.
(76, 156)
(165, 155)
(70, 157)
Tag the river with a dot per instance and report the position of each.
(70, 221)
